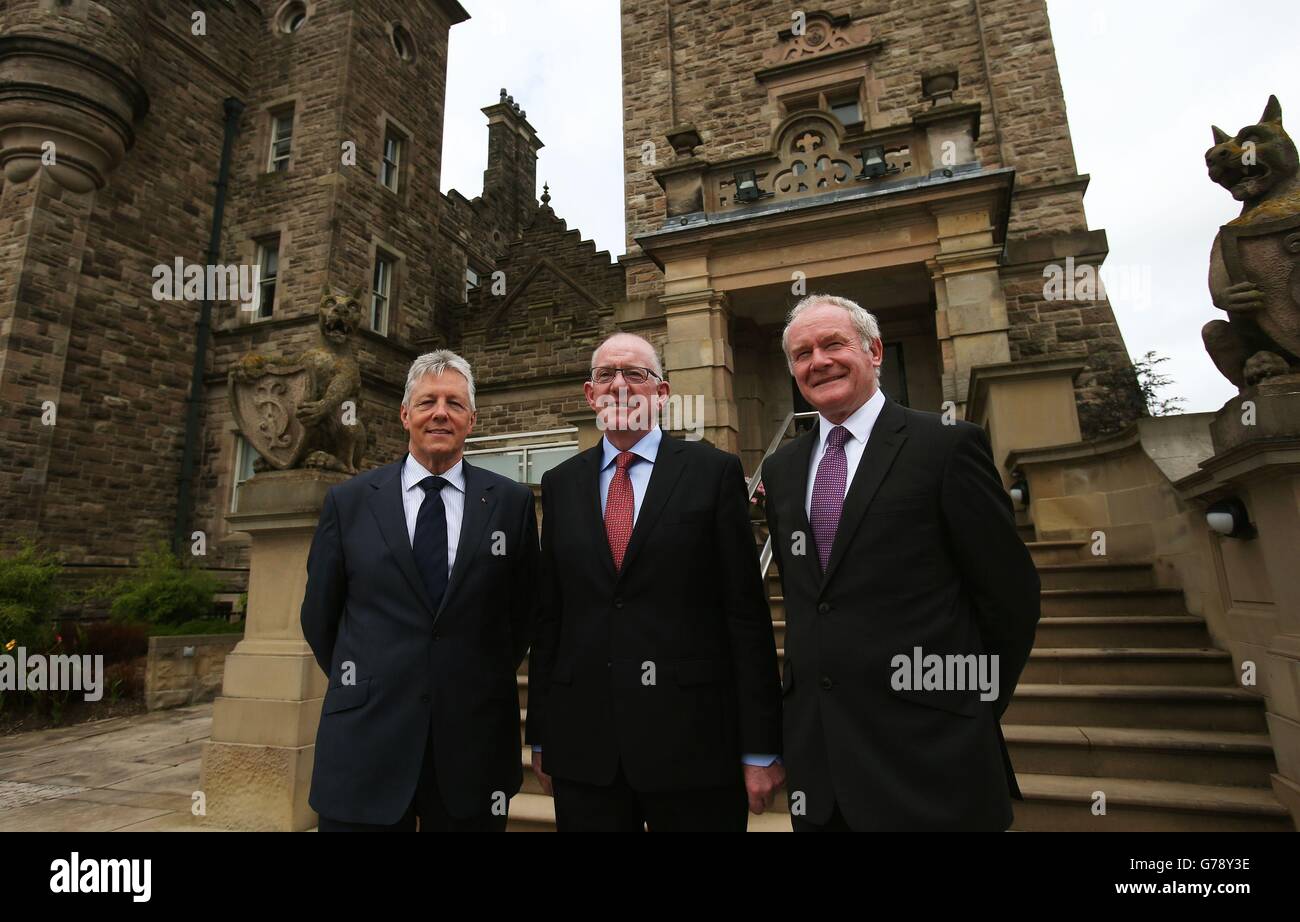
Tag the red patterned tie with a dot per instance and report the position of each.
(619, 507)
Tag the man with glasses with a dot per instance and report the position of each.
(654, 696)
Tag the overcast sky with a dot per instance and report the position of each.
(1143, 80)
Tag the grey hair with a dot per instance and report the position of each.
(657, 367)
(863, 321)
(437, 363)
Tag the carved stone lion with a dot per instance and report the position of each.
(1254, 264)
(302, 410)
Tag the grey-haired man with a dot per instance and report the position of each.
(419, 607)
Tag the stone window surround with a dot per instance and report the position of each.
(396, 281)
(406, 157)
(266, 131)
(247, 255)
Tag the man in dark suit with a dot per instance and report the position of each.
(653, 697)
(420, 596)
(898, 553)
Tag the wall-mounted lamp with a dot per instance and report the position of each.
(1228, 517)
(747, 189)
(873, 163)
(1020, 493)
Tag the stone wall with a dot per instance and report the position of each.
(186, 669)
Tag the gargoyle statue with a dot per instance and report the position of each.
(1254, 266)
(302, 410)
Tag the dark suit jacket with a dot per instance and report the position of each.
(687, 610)
(453, 668)
(926, 555)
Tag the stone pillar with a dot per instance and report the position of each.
(257, 766)
(1256, 459)
(698, 360)
(971, 312)
(1028, 404)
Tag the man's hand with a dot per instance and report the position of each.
(545, 779)
(761, 784)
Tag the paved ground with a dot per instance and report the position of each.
(125, 774)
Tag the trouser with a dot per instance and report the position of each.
(581, 807)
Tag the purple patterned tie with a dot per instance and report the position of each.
(828, 493)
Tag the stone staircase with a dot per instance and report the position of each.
(1124, 694)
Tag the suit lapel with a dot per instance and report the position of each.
(667, 469)
(594, 523)
(882, 446)
(386, 504)
(801, 458)
(478, 510)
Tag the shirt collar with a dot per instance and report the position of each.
(647, 448)
(413, 472)
(860, 422)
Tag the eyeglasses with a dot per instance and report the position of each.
(604, 374)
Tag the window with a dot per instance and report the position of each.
(245, 456)
(846, 110)
(281, 141)
(390, 166)
(381, 294)
(471, 282)
(268, 265)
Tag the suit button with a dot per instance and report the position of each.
(436, 635)
(827, 682)
(823, 608)
(618, 603)
(424, 699)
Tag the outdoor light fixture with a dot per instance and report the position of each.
(747, 189)
(1020, 493)
(873, 163)
(1228, 517)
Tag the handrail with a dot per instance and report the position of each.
(790, 417)
(765, 555)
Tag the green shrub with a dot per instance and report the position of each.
(30, 597)
(162, 590)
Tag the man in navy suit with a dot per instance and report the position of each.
(419, 606)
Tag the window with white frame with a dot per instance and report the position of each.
(390, 166)
(245, 456)
(381, 289)
(268, 273)
(281, 140)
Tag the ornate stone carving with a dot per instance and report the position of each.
(820, 33)
(65, 109)
(1255, 260)
(303, 410)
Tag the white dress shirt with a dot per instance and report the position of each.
(639, 471)
(453, 498)
(860, 423)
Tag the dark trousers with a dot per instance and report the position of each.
(426, 807)
(581, 807)
(836, 823)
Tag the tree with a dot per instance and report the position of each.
(1150, 381)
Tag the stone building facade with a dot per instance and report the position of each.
(334, 182)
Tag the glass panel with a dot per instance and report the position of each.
(846, 111)
(541, 460)
(507, 463)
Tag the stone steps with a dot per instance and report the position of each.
(1064, 803)
(1128, 666)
